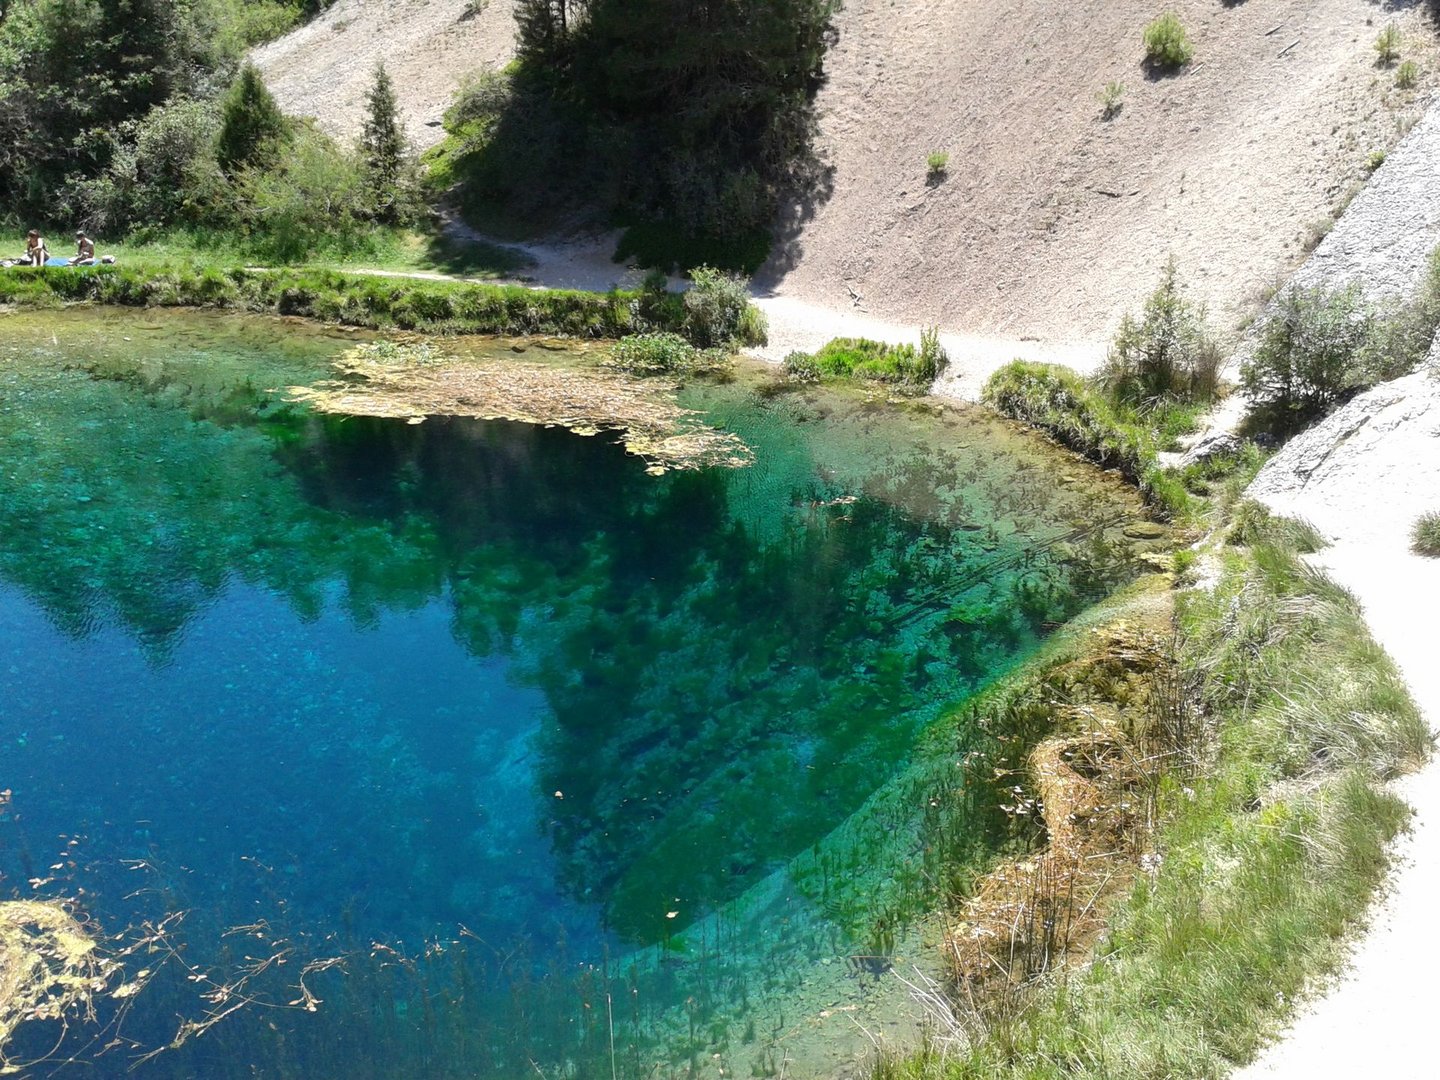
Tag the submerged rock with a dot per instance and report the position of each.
(1144, 530)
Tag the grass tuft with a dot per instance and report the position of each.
(1167, 45)
(1425, 536)
(903, 366)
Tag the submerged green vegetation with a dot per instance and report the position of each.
(730, 663)
(1270, 837)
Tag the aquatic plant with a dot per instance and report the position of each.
(414, 382)
(672, 651)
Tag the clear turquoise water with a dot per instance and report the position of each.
(565, 760)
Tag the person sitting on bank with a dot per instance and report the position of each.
(84, 250)
(35, 250)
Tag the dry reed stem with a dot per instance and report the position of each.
(1094, 787)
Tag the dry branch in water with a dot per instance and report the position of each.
(415, 381)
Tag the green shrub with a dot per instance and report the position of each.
(315, 197)
(1320, 347)
(1109, 97)
(1166, 43)
(801, 366)
(1387, 44)
(1306, 360)
(663, 354)
(1425, 536)
(905, 366)
(937, 164)
(1407, 75)
(718, 311)
(1168, 354)
(252, 127)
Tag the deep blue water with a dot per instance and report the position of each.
(528, 736)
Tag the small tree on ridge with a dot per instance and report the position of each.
(252, 127)
(382, 145)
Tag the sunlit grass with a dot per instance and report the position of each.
(395, 250)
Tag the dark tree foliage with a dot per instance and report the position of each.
(694, 115)
(72, 72)
(382, 144)
(79, 78)
(252, 127)
(542, 29)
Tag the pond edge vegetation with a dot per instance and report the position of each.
(716, 313)
(1247, 825)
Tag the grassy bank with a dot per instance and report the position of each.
(1268, 832)
(1081, 417)
(370, 301)
(405, 250)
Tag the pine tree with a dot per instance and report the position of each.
(252, 127)
(382, 144)
(543, 28)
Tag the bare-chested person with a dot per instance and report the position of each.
(84, 250)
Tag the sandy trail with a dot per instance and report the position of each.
(795, 323)
(1377, 1019)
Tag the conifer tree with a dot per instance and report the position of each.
(252, 127)
(382, 144)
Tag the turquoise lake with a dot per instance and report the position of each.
(545, 763)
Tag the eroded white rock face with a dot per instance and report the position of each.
(1367, 471)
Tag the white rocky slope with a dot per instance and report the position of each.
(1362, 477)
(325, 68)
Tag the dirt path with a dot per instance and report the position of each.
(586, 263)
